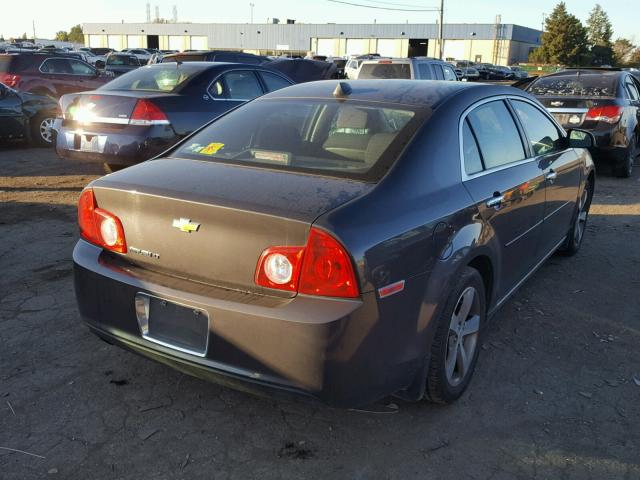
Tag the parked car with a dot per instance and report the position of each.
(142, 113)
(605, 102)
(142, 54)
(416, 68)
(51, 75)
(119, 63)
(26, 116)
(353, 64)
(340, 65)
(489, 71)
(634, 71)
(505, 72)
(266, 250)
(467, 69)
(216, 56)
(519, 72)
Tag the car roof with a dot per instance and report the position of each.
(419, 93)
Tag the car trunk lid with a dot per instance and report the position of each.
(571, 112)
(210, 222)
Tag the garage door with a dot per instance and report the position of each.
(199, 43)
(325, 46)
(176, 42)
(115, 42)
(388, 47)
(356, 46)
(97, 41)
(133, 41)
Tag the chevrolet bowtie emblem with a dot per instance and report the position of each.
(185, 225)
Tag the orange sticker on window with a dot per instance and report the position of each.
(211, 149)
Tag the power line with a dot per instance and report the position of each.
(386, 8)
(394, 4)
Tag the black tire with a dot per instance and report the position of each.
(444, 387)
(41, 133)
(625, 168)
(112, 167)
(579, 226)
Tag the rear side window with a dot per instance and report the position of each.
(80, 68)
(472, 159)
(584, 84)
(425, 71)
(274, 82)
(631, 89)
(242, 85)
(154, 79)
(56, 66)
(328, 137)
(542, 133)
(498, 137)
(438, 70)
(385, 70)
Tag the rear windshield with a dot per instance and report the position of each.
(578, 85)
(154, 79)
(184, 58)
(12, 63)
(385, 70)
(122, 60)
(328, 137)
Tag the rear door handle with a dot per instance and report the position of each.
(551, 175)
(495, 202)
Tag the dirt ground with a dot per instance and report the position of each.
(554, 395)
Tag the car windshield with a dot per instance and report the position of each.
(385, 70)
(328, 137)
(154, 79)
(575, 84)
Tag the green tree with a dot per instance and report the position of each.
(24, 36)
(76, 35)
(623, 50)
(600, 31)
(564, 40)
(62, 36)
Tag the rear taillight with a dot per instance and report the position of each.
(322, 267)
(607, 114)
(99, 226)
(9, 79)
(147, 113)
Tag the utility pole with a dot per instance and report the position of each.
(33, 24)
(441, 29)
(544, 17)
(252, 5)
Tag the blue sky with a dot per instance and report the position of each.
(53, 16)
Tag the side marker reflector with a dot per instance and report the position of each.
(390, 289)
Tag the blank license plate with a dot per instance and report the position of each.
(91, 143)
(176, 326)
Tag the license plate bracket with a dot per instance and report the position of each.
(174, 325)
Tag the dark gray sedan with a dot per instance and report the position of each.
(344, 240)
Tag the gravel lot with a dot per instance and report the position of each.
(554, 395)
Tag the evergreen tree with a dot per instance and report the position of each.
(24, 36)
(623, 50)
(599, 31)
(564, 40)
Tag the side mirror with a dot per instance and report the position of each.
(580, 138)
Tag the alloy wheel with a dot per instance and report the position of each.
(45, 129)
(462, 341)
(583, 211)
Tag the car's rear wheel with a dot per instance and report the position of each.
(579, 226)
(42, 131)
(456, 345)
(625, 168)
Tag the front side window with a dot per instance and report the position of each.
(449, 73)
(242, 85)
(81, 68)
(498, 137)
(353, 139)
(543, 135)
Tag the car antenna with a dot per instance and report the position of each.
(342, 89)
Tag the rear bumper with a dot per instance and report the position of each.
(126, 145)
(610, 146)
(336, 350)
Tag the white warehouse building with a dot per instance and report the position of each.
(501, 44)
